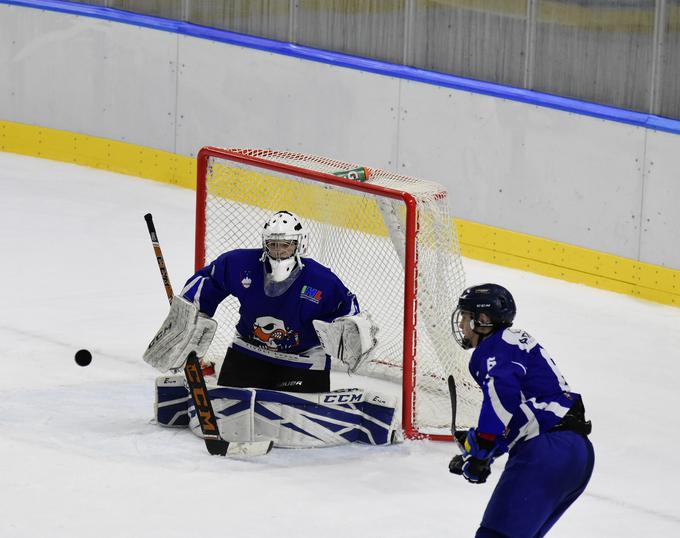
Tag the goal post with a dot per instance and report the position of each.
(388, 237)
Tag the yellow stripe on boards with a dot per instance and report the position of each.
(309, 199)
(569, 262)
(477, 241)
(96, 152)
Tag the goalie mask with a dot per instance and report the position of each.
(284, 242)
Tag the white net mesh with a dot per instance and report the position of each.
(361, 237)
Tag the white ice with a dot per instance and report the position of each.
(79, 456)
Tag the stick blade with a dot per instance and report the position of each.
(250, 449)
(217, 447)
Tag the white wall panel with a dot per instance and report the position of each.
(88, 76)
(540, 171)
(660, 239)
(238, 97)
(534, 170)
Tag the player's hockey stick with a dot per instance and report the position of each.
(456, 464)
(197, 389)
(454, 403)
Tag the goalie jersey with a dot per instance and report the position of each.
(524, 392)
(276, 329)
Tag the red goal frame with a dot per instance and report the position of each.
(410, 262)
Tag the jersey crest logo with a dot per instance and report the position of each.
(311, 294)
(272, 333)
(246, 279)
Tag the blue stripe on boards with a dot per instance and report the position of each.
(566, 104)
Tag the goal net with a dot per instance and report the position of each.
(388, 237)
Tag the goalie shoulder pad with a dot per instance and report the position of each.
(350, 339)
(183, 331)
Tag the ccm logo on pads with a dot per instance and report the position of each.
(343, 398)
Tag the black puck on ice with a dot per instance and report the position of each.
(83, 357)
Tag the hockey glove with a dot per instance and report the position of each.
(456, 464)
(477, 458)
(350, 339)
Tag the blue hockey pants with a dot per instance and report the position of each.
(542, 478)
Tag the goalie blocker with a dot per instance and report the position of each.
(184, 330)
(291, 420)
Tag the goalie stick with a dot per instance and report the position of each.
(215, 445)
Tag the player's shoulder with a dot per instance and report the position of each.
(237, 261)
(320, 276)
(517, 338)
(316, 268)
(241, 255)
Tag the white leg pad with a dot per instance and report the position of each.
(292, 420)
(235, 412)
(171, 401)
(295, 420)
(339, 417)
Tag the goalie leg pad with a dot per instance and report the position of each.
(172, 401)
(171, 404)
(327, 419)
(303, 421)
(295, 420)
(379, 410)
(173, 407)
(234, 411)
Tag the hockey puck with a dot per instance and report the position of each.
(83, 357)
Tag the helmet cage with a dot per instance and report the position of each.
(280, 247)
(475, 325)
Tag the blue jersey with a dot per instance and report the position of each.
(524, 394)
(277, 329)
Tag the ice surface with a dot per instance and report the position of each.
(80, 458)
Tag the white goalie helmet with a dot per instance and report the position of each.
(284, 242)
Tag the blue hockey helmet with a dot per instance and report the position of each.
(490, 299)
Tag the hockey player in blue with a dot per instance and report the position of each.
(280, 293)
(527, 410)
(274, 383)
